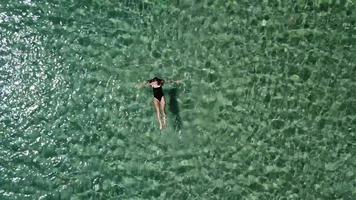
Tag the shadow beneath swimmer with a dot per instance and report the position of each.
(174, 108)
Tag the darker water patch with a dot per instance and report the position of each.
(174, 108)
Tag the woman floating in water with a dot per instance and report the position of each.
(158, 98)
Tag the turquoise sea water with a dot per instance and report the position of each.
(267, 109)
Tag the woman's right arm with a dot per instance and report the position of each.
(177, 82)
(141, 85)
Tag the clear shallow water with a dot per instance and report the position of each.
(267, 110)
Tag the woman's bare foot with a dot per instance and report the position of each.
(164, 122)
(160, 126)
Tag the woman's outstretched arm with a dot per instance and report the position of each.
(177, 82)
(141, 85)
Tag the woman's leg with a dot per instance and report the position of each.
(163, 108)
(157, 105)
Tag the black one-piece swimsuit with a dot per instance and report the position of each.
(158, 93)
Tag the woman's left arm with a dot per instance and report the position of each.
(177, 82)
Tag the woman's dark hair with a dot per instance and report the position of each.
(155, 79)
